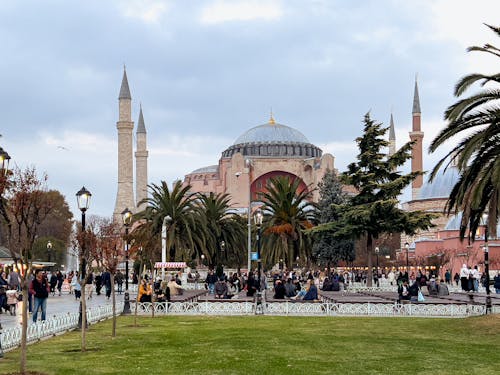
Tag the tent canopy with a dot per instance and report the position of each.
(170, 265)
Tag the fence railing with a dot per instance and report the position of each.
(11, 338)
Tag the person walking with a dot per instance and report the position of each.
(496, 283)
(40, 289)
(14, 280)
(89, 285)
(119, 281)
(60, 280)
(106, 281)
(464, 278)
(77, 288)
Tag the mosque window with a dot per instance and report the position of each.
(259, 185)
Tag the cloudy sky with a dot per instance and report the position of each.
(206, 71)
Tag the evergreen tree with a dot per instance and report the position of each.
(374, 210)
(326, 247)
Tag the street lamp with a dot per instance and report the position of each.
(83, 200)
(407, 247)
(486, 262)
(222, 249)
(248, 164)
(127, 220)
(166, 220)
(258, 222)
(49, 250)
(4, 160)
(377, 250)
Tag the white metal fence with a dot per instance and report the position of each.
(57, 324)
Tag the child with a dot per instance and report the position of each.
(12, 295)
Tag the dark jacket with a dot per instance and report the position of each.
(279, 291)
(40, 289)
(311, 294)
(496, 282)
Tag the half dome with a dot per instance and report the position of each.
(441, 186)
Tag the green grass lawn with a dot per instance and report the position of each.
(273, 345)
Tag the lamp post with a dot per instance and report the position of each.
(258, 222)
(83, 200)
(4, 160)
(377, 250)
(407, 247)
(49, 250)
(166, 221)
(127, 220)
(486, 263)
(222, 249)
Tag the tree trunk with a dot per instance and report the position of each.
(24, 327)
(137, 293)
(113, 301)
(369, 244)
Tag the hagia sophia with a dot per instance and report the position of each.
(273, 149)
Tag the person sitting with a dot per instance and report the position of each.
(327, 285)
(279, 290)
(442, 289)
(413, 289)
(335, 286)
(163, 294)
(290, 288)
(432, 287)
(144, 294)
(175, 289)
(404, 292)
(312, 292)
(220, 289)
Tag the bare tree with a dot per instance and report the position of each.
(110, 244)
(24, 206)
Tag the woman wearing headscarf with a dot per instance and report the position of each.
(464, 278)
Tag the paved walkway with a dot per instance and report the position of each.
(56, 305)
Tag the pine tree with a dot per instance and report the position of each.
(374, 210)
(326, 247)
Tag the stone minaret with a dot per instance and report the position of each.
(416, 153)
(141, 162)
(125, 126)
(392, 138)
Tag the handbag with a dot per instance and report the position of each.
(420, 297)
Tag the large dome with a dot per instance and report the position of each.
(273, 140)
(271, 133)
(441, 186)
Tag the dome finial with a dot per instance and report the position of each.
(271, 118)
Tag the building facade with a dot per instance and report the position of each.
(261, 153)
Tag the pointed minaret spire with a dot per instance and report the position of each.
(140, 124)
(124, 90)
(141, 163)
(392, 137)
(417, 136)
(416, 98)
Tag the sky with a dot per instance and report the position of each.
(207, 71)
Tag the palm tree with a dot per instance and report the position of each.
(185, 231)
(287, 213)
(477, 155)
(225, 234)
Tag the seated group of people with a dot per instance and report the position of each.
(431, 288)
(161, 290)
(294, 292)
